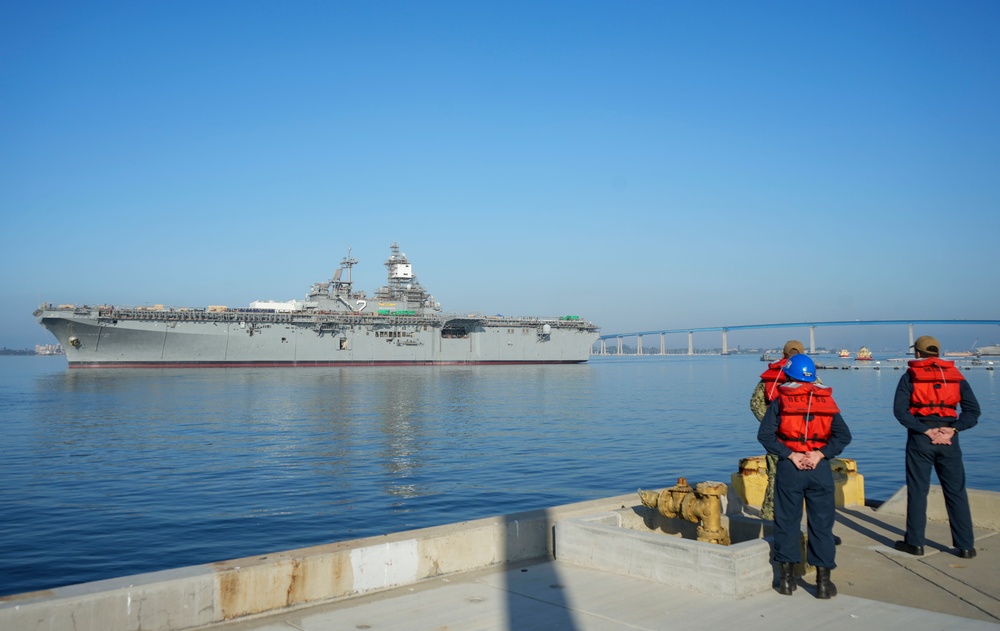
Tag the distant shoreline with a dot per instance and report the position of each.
(26, 352)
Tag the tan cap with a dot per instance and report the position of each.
(927, 345)
(792, 347)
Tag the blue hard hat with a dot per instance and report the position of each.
(800, 368)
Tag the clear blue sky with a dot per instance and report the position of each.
(642, 164)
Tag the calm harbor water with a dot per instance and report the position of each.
(116, 472)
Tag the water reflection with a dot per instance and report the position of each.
(135, 470)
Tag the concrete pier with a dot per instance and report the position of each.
(506, 573)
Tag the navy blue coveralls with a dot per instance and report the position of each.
(792, 485)
(946, 460)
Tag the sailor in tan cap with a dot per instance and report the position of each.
(927, 403)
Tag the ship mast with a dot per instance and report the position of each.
(401, 277)
(347, 263)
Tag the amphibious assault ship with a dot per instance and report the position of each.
(400, 325)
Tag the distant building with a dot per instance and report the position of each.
(49, 349)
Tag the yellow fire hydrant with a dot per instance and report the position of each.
(703, 504)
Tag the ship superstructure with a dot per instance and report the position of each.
(401, 324)
(988, 351)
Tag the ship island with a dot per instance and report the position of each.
(400, 325)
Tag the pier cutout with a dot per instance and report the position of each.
(636, 541)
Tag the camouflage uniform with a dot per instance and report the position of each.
(759, 405)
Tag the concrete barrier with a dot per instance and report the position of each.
(985, 506)
(631, 542)
(196, 596)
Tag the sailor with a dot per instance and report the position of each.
(765, 392)
(803, 428)
(927, 402)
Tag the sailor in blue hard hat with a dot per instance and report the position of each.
(764, 393)
(804, 429)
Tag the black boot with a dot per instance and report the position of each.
(786, 583)
(824, 588)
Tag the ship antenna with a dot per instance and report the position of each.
(348, 262)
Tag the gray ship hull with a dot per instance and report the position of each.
(401, 325)
(988, 351)
(97, 338)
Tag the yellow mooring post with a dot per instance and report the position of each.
(750, 481)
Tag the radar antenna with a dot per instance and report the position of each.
(340, 286)
(347, 263)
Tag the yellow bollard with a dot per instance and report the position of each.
(750, 481)
(849, 484)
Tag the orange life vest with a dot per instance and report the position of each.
(773, 377)
(807, 413)
(936, 387)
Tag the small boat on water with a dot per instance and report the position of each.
(844, 353)
(864, 355)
